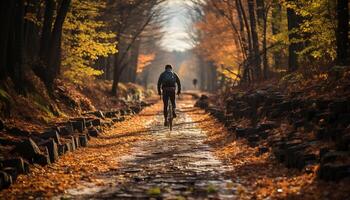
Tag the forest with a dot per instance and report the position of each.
(264, 109)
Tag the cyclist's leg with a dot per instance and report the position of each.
(165, 103)
(173, 103)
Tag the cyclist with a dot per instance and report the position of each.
(168, 81)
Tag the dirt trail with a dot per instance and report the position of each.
(172, 165)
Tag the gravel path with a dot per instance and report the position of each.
(174, 165)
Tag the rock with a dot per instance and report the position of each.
(264, 134)
(145, 104)
(121, 118)
(253, 139)
(284, 106)
(99, 114)
(67, 147)
(245, 132)
(2, 125)
(93, 132)
(61, 148)
(5, 180)
(26, 167)
(96, 122)
(339, 106)
(111, 114)
(18, 132)
(53, 134)
(217, 113)
(71, 143)
(332, 156)
(52, 148)
(12, 172)
(83, 140)
(76, 141)
(343, 142)
(322, 104)
(267, 126)
(78, 125)
(274, 113)
(42, 159)
(7, 141)
(135, 109)
(203, 102)
(21, 166)
(322, 133)
(29, 150)
(247, 112)
(343, 119)
(309, 113)
(263, 150)
(66, 129)
(323, 151)
(334, 171)
(299, 123)
(327, 117)
(88, 123)
(280, 154)
(122, 112)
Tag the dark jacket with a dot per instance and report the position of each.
(161, 82)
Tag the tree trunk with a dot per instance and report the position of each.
(31, 32)
(276, 29)
(260, 11)
(293, 47)
(265, 59)
(116, 75)
(134, 60)
(116, 67)
(241, 30)
(15, 47)
(6, 14)
(46, 30)
(56, 37)
(245, 20)
(54, 57)
(342, 35)
(256, 56)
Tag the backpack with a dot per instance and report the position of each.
(169, 79)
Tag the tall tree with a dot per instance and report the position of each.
(7, 9)
(342, 34)
(276, 21)
(50, 43)
(15, 65)
(294, 47)
(256, 61)
(131, 21)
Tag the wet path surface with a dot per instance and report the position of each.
(174, 165)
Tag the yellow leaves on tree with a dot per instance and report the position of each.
(317, 29)
(144, 60)
(85, 40)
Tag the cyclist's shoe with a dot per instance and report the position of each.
(165, 123)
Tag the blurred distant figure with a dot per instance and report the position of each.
(195, 81)
(167, 82)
